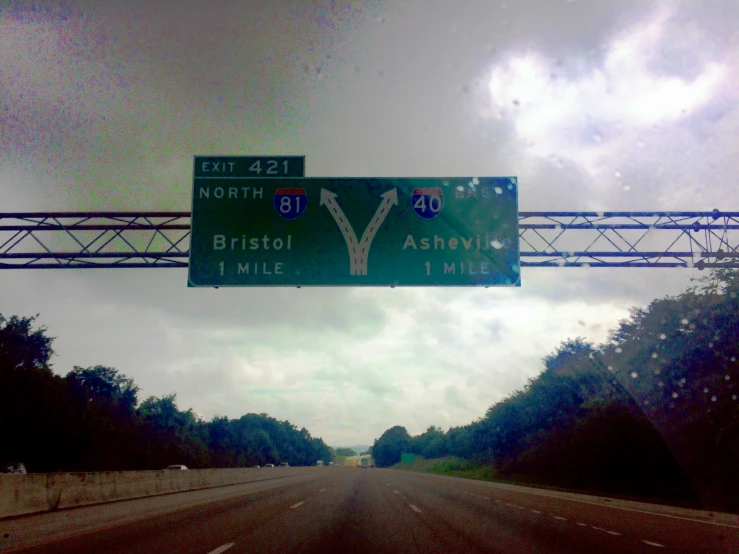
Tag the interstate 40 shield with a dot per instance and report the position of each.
(427, 202)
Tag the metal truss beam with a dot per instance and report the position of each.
(78, 240)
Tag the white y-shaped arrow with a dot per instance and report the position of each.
(358, 249)
(328, 199)
(389, 199)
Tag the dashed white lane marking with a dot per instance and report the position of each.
(415, 509)
(296, 505)
(597, 528)
(322, 490)
(536, 511)
(582, 524)
(650, 543)
(221, 548)
(560, 518)
(613, 533)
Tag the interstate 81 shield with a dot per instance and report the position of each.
(290, 203)
(427, 202)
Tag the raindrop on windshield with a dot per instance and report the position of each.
(498, 190)
(597, 137)
(684, 321)
(617, 174)
(674, 395)
(713, 399)
(634, 375)
(705, 389)
(654, 355)
(618, 350)
(663, 336)
(726, 377)
(497, 245)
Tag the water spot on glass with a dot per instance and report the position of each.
(710, 345)
(446, 183)
(516, 103)
(585, 265)
(657, 371)
(618, 350)
(498, 190)
(727, 377)
(634, 375)
(497, 245)
(732, 295)
(640, 144)
(646, 402)
(683, 381)
(691, 326)
(561, 262)
(475, 180)
(597, 137)
(660, 384)
(674, 395)
(610, 368)
(627, 188)
(510, 186)
(733, 396)
(617, 174)
(663, 336)
(460, 188)
(713, 399)
(733, 359)
(705, 390)
(684, 321)
(600, 214)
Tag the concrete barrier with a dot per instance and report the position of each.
(45, 492)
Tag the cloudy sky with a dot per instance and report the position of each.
(594, 105)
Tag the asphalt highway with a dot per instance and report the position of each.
(368, 511)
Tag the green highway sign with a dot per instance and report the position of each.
(354, 232)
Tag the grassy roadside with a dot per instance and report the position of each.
(469, 469)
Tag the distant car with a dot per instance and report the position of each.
(284, 464)
(13, 468)
(269, 465)
(178, 467)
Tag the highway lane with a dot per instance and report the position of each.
(393, 511)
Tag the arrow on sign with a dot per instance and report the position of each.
(328, 199)
(358, 249)
(389, 199)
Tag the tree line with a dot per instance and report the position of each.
(651, 412)
(92, 420)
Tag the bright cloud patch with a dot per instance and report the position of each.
(556, 112)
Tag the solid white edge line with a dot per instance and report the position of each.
(626, 509)
(415, 509)
(296, 505)
(221, 548)
(650, 543)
